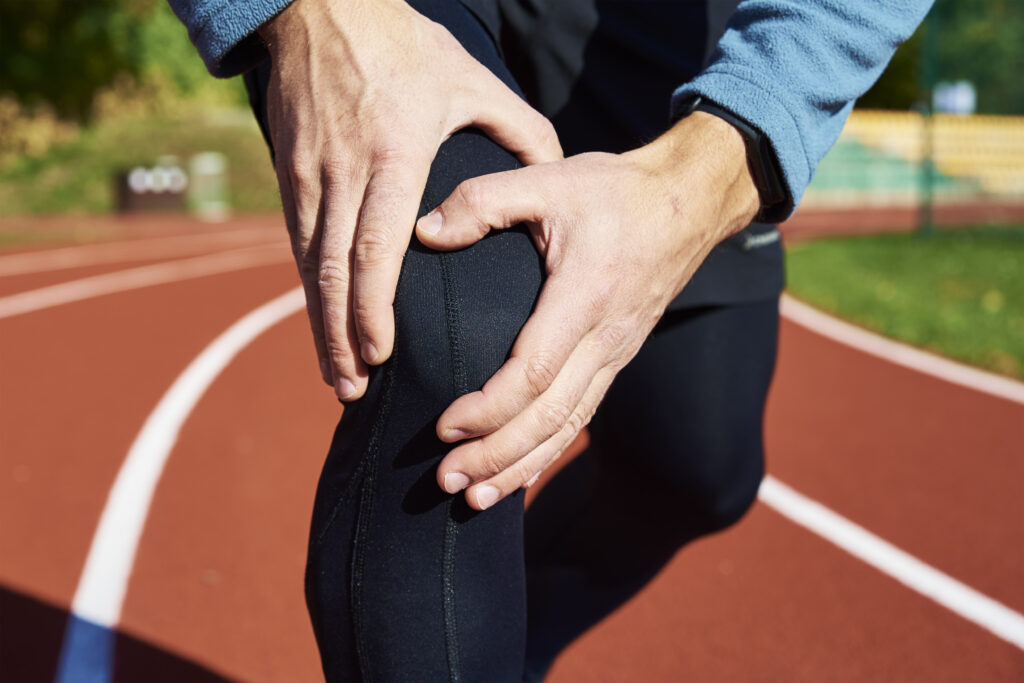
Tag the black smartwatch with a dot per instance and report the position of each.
(761, 159)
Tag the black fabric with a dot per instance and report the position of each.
(406, 583)
(675, 453)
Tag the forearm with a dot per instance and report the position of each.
(793, 70)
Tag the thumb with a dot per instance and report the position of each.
(498, 200)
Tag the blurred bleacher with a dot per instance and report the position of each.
(877, 161)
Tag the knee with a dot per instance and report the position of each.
(710, 485)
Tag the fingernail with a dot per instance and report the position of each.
(344, 388)
(455, 482)
(325, 370)
(369, 351)
(486, 496)
(455, 435)
(431, 223)
(533, 480)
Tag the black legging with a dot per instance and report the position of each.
(406, 583)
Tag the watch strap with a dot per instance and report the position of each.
(761, 159)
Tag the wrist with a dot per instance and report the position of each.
(701, 163)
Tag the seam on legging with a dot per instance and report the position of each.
(354, 483)
(365, 511)
(453, 318)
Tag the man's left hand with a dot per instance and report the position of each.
(620, 235)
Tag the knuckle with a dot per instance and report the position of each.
(614, 335)
(545, 133)
(336, 170)
(491, 461)
(470, 193)
(388, 153)
(339, 351)
(553, 416)
(601, 297)
(301, 168)
(576, 422)
(521, 473)
(331, 278)
(309, 267)
(539, 372)
(365, 312)
(372, 246)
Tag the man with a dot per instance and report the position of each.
(475, 354)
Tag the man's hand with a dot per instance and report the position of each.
(362, 93)
(620, 235)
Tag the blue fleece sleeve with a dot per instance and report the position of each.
(224, 31)
(793, 68)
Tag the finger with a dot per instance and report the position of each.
(301, 221)
(527, 470)
(382, 237)
(554, 331)
(498, 200)
(495, 453)
(511, 122)
(334, 270)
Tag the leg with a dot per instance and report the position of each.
(676, 453)
(404, 583)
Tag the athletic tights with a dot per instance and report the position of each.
(407, 583)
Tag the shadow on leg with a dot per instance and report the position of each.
(676, 453)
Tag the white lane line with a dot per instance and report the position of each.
(143, 276)
(900, 565)
(101, 589)
(132, 250)
(900, 354)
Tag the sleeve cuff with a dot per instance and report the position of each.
(226, 37)
(744, 94)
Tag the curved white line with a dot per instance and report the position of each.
(130, 250)
(101, 589)
(900, 565)
(143, 276)
(900, 354)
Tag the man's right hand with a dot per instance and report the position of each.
(361, 95)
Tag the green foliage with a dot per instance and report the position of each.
(899, 87)
(63, 53)
(957, 292)
(980, 41)
(974, 40)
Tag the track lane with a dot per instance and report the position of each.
(932, 467)
(228, 528)
(62, 258)
(77, 382)
(805, 378)
(858, 624)
(766, 602)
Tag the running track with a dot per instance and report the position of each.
(934, 468)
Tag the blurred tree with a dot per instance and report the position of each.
(977, 41)
(61, 52)
(898, 88)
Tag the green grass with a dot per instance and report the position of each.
(77, 177)
(959, 293)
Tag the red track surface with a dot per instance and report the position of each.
(216, 589)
